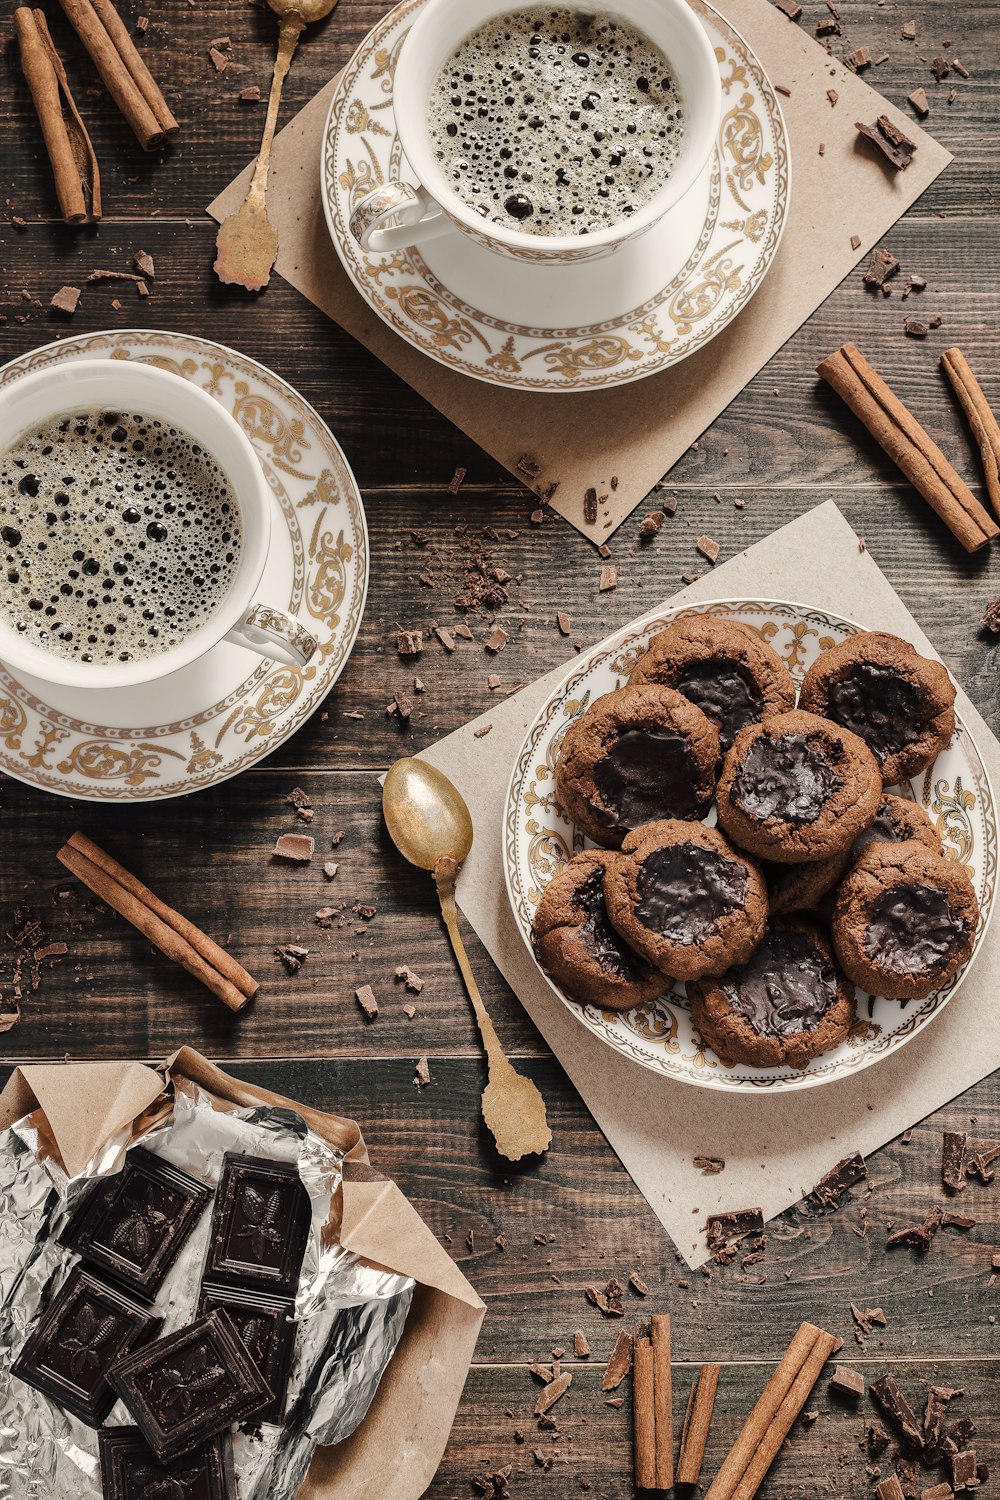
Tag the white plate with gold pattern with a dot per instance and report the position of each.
(228, 710)
(578, 327)
(538, 840)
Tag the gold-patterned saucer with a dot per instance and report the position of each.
(538, 839)
(579, 327)
(228, 710)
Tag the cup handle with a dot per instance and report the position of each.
(416, 217)
(274, 633)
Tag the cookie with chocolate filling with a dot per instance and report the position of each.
(900, 703)
(802, 887)
(796, 788)
(783, 1007)
(578, 947)
(896, 820)
(636, 755)
(723, 667)
(685, 900)
(905, 920)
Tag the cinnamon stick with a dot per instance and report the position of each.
(697, 1422)
(122, 70)
(75, 171)
(767, 1426)
(175, 936)
(900, 435)
(644, 1415)
(980, 416)
(663, 1401)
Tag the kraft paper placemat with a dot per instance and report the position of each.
(776, 1148)
(637, 432)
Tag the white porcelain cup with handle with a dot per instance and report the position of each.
(240, 616)
(399, 214)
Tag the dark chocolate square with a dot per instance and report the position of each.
(86, 1328)
(266, 1326)
(131, 1226)
(259, 1226)
(183, 1389)
(130, 1469)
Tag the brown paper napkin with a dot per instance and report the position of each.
(776, 1147)
(637, 432)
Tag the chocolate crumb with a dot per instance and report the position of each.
(250, 94)
(953, 1172)
(791, 8)
(915, 328)
(220, 61)
(637, 1284)
(65, 300)
(143, 262)
(710, 1166)
(553, 1392)
(581, 1346)
(478, 734)
(940, 67)
(847, 1382)
(563, 622)
(498, 640)
(365, 996)
(456, 481)
(860, 58)
(881, 268)
(908, 31)
(832, 95)
(590, 507)
(919, 101)
(298, 848)
(619, 1363)
(709, 548)
(292, 956)
(651, 524)
(409, 642)
(422, 1076)
(609, 578)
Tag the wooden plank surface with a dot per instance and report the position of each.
(783, 446)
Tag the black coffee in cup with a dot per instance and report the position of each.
(556, 121)
(119, 536)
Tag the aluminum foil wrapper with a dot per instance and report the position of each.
(349, 1316)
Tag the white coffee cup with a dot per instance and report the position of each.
(240, 617)
(397, 214)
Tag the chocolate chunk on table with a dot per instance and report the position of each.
(829, 1191)
(86, 1328)
(131, 1226)
(266, 1326)
(259, 1227)
(184, 1389)
(130, 1469)
(899, 1411)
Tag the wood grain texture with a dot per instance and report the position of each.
(783, 446)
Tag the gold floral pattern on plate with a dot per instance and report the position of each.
(538, 840)
(212, 727)
(748, 204)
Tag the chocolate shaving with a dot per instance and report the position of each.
(590, 507)
(637, 1284)
(896, 147)
(953, 1160)
(581, 1347)
(724, 1231)
(830, 1190)
(563, 622)
(918, 1236)
(619, 1363)
(297, 848)
(456, 481)
(422, 1077)
(899, 1411)
(553, 1392)
(710, 1166)
(980, 1157)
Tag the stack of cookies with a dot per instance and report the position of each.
(816, 879)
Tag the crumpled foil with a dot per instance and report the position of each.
(349, 1316)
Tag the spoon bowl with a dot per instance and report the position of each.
(426, 814)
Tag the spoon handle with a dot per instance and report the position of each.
(291, 29)
(444, 873)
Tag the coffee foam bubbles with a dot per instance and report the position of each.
(556, 121)
(119, 536)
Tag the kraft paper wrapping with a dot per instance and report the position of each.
(777, 1147)
(637, 432)
(397, 1449)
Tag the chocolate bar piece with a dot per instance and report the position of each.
(183, 1389)
(86, 1328)
(259, 1227)
(266, 1326)
(130, 1469)
(132, 1225)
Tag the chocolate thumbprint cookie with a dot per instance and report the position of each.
(900, 703)
(685, 899)
(897, 820)
(905, 920)
(636, 755)
(579, 948)
(723, 667)
(796, 788)
(783, 1007)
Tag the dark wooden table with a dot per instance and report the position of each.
(782, 447)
